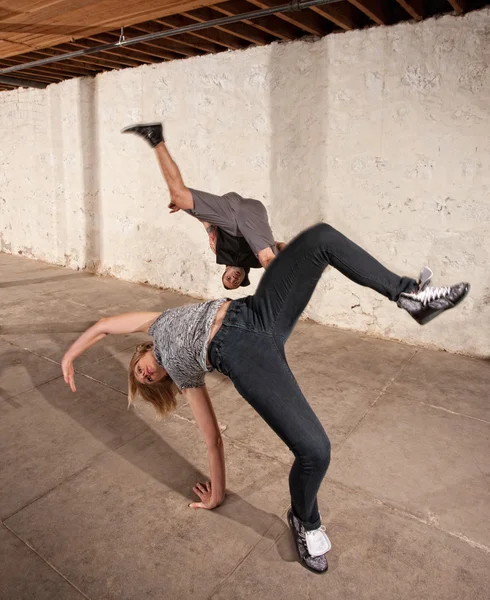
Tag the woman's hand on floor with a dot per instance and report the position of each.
(205, 494)
(68, 373)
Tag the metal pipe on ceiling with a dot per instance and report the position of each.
(294, 5)
(23, 82)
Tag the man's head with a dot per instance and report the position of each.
(233, 277)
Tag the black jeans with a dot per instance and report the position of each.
(249, 348)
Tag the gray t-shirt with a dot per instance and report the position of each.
(180, 336)
(240, 217)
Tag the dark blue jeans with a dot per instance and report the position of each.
(249, 348)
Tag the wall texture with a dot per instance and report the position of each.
(384, 133)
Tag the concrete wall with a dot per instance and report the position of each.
(384, 133)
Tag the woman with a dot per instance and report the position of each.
(244, 339)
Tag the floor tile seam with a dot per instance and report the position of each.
(30, 389)
(103, 383)
(92, 461)
(430, 522)
(58, 484)
(57, 362)
(373, 404)
(46, 562)
(453, 412)
(238, 444)
(241, 561)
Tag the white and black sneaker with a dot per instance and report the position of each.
(427, 302)
(312, 546)
(151, 132)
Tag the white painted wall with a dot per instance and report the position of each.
(384, 133)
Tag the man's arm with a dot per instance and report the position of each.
(212, 234)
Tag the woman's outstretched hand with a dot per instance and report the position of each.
(68, 373)
(205, 494)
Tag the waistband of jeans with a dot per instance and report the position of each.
(229, 320)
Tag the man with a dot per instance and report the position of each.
(238, 228)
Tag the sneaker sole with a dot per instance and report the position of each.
(303, 564)
(129, 128)
(436, 314)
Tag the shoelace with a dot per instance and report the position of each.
(314, 533)
(431, 293)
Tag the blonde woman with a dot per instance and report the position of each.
(244, 339)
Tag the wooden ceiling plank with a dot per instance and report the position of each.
(341, 14)
(245, 32)
(83, 18)
(415, 8)
(459, 5)
(377, 10)
(306, 20)
(183, 39)
(270, 25)
(219, 37)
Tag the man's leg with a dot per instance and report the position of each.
(180, 195)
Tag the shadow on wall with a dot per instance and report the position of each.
(89, 140)
(297, 109)
(58, 170)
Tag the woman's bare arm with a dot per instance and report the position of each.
(211, 494)
(119, 324)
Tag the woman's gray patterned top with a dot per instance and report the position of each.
(180, 337)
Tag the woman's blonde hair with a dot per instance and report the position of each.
(160, 394)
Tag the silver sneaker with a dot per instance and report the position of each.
(427, 302)
(312, 546)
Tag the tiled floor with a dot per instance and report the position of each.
(94, 498)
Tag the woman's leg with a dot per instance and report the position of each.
(258, 368)
(286, 287)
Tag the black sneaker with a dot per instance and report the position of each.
(309, 543)
(425, 303)
(151, 132)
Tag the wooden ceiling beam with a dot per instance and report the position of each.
(459, 5)
(47, 52)
(165, 44)
(103, 61)
(97, 64)
(305, 19)
(56, 68)
(415, 8)
(222, 38)
(270, 25)
(377, 10)
(341, 14)
(184, 39)
(33, 74)
(110, 36)
(120, 57)
(241, 30)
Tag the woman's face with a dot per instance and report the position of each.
(147, 370)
